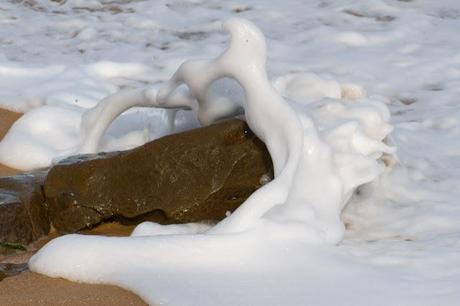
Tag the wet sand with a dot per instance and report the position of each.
(7, 118)
(34, 289)
(5, 170)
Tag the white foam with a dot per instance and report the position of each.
(402, 229)
(318, 163)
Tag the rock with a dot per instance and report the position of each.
(193, 176)
(9, 269)
(10, 248)
(23, 215)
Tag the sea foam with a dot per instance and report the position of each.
(322, 150)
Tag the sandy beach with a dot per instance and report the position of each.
(34, 289)
(7, 118)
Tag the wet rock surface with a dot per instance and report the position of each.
(9, 269)
(193, 176)
(23, 214)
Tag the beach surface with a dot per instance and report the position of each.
(7, 118)
(34, 289)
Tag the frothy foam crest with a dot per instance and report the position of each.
(321, 152)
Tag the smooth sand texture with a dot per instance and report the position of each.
(34, 289)
(7, 118)
(5, 171)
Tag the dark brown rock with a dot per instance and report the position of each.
(23, 215)
(10, 269)
(193, 176)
